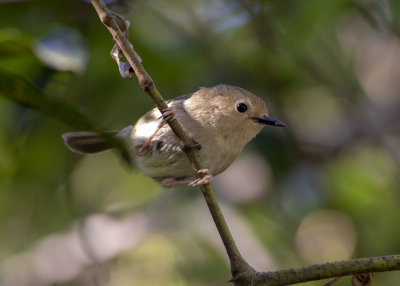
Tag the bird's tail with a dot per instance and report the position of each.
(93, 142)
(86, 142)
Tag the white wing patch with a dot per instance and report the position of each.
(146, 129)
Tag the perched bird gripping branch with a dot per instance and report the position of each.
(220, 119)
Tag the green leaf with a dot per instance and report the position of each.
(14, 43)
(25, 93)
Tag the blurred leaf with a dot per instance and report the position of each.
(63, 49)
(14, 43)
(24, 93)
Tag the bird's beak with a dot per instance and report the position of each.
(267, 120)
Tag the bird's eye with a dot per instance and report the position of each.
(241, 107)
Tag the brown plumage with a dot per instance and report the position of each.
(222, 119)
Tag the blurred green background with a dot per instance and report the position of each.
(325, 188)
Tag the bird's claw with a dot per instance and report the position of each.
(141, 149)
(168, 114)
(202, 181)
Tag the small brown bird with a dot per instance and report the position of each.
(221, 119)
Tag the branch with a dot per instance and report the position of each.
(328, 270)
(109, 19)
(242, 272)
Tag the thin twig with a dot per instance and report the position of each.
(243, 273)
(329, 270)
(238, 264)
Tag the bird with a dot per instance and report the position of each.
(220, 120)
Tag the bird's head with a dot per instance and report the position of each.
(226, 107)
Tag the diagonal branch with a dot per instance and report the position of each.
(242, 272)
(108, 18)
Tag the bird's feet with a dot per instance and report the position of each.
(167, 115)
(202, 181)
(142, 149)
(173, 181)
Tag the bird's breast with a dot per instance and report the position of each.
(218, 151)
